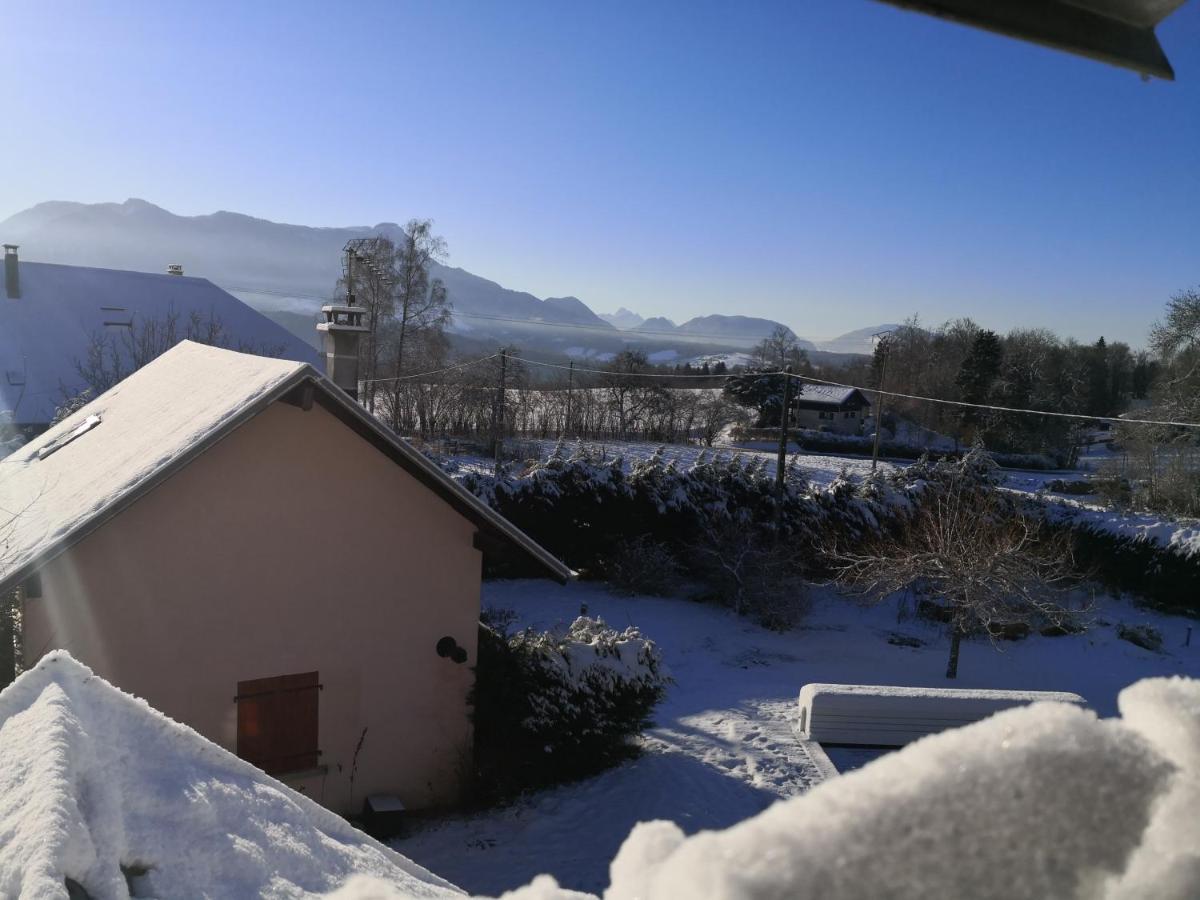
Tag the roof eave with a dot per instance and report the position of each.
(1060, 25)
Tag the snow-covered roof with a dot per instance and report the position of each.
(69, 480)
(51, 326)
(828, 394)
(93, 780)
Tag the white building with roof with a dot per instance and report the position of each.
(52, 317)
(828, 408)
(234, 539)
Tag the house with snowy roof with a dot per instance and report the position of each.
(103, 796)
(830, 408)
(234, 539)
(54, 319)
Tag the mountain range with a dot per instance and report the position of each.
(288, 271)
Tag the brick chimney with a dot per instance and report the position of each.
(12, 274)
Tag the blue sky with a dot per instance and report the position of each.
(829, 163)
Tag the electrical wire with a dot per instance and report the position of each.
(812, 378)
(463, 365)
(1113, 420)
(548, 365)
(1008, 409)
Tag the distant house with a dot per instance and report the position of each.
(52, 316)
(233, 539)
(831, 408)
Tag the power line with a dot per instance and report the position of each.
(813, 378)
(806, 378)
(548, 365)
(463, 365)
(1008, 409)
(615, 332)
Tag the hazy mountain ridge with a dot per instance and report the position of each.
(286, 271)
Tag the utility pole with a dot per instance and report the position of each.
(881, 338)
(783, 429)
(498, 415)
(570, 389)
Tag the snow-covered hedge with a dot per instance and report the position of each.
(550, 706)
(583, 508)
(586, 510)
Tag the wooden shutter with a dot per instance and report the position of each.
(277, 722)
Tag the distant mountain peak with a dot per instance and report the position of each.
(623, 318)
(291, 269)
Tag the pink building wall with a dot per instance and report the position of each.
(293, 545)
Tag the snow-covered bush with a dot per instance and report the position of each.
(552, 706)
(642, 565)
(1165, 573)
(1145, 636)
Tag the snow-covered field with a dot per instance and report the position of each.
(723, 748)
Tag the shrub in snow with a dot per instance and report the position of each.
(557, 705)
(1146, 636)
(1164, 573)
(758, 575)
(642, 565)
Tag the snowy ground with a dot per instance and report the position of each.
(723, 749)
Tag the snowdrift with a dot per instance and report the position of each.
(99, 788)
(1041, 801)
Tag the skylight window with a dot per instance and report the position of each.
(83, 428)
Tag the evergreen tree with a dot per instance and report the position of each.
(978, 373)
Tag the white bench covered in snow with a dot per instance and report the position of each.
(869, 715)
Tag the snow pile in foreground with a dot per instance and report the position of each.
(1039, 801)
(94, 781)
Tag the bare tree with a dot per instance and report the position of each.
(113, 356)
(752, 572)
(421, 310)
(714, 412)
(782, 348)
(986, 565)
(629, 396)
